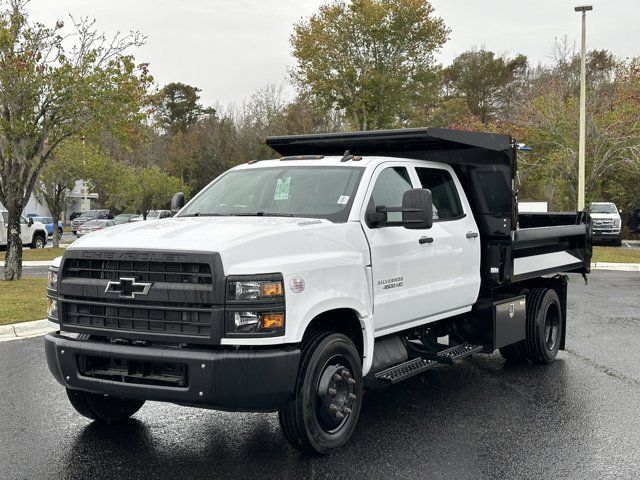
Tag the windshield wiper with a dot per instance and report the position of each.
(273, 214)
(200, 214)
(239, 214)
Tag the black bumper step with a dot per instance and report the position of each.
(458, 352)
(405, 370)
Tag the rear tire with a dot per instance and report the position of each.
(103, 408)
(544, 329)
(544, 325)
(323, 411)
(39, 241)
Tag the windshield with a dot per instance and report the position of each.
(603, 208)
(315, 192)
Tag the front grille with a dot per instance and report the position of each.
(183, 299)
(170, 272)
(167, 319)
(603, 223)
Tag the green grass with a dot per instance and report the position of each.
(41, 254)
(616, 254)
(23, 300)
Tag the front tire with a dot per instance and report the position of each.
(321, 415)
(39, 241)
(103, 408)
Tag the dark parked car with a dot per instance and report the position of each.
(87, 217)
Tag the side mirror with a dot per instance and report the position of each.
(417, 209)
(30, 222)
(177, 202)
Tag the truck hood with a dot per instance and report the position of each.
(600, 216)
(205, 234)
(246, 245)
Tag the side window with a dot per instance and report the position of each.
(446, 202)
(23, 220)
(389, 189)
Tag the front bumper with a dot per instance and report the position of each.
(610, 234)
(225, 379)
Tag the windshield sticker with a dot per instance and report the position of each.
(282, 189)
(343, 199)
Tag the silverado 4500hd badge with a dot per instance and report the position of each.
(391, 283)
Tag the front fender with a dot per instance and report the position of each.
(363, 314)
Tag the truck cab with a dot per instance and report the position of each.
(606, 222)
(291, 284)
(32, 233)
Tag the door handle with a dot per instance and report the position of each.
(472, 234)
(425, 240)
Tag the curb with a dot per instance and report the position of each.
(33, 263)
(16, 331)
(620, 267)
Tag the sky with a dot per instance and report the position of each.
(231, 48)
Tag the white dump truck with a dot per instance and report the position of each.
(355, 260)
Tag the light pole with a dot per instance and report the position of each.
(583, 114)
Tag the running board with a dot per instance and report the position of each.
(457, 352)
(405, 370)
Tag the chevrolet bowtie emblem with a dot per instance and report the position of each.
(128, 287)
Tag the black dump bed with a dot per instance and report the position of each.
(514, 247)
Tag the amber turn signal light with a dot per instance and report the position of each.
(271, 289)
(272, 321)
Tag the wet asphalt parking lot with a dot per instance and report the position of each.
(578, 418)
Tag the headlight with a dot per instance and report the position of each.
(52, 279)
(255, 305)
(258, 322)
(52, 309)
(616, 222)
(255, 290)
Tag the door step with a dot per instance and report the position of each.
(457, 352)
(405, 370)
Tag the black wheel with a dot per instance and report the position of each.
(323, 411)
(39, 241)
(544, 329)
(60, 234)
(617, 242)
(544, 325)
(103, 408)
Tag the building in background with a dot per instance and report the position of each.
(78, 203)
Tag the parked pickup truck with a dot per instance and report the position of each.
(607, 223)
(355, 260)
(32, 233)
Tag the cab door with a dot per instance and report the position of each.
(456, 240)
(26, 232)
(404, 281)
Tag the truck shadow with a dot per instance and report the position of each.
(480, 418)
